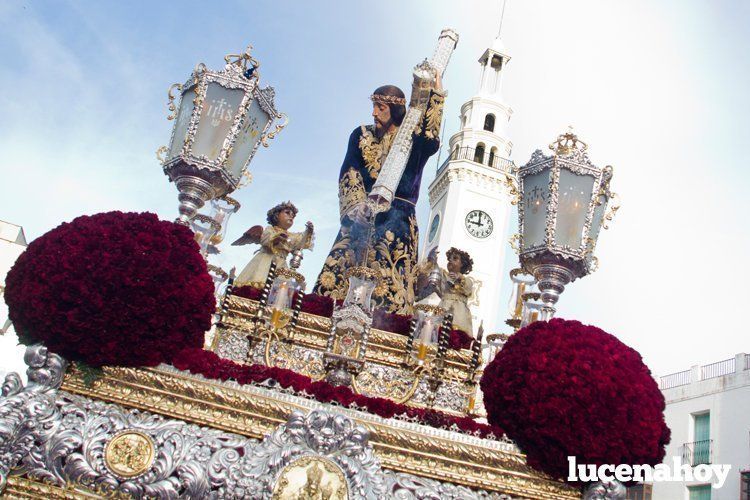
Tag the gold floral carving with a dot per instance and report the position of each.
(129, 454)
(433, 116)
(255, 413)
(374, 151)
(394, 261)
(311, 478)
(351, 191)
(386, 384)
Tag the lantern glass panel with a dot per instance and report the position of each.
(253, 125)
(219, 110)
(535, 201)
(574, 199)
(182, 122)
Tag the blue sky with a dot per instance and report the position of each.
(657, 88)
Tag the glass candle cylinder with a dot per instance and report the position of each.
(522, 283)
(280, 300)
(429, 319)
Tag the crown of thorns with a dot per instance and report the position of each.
(388, 99)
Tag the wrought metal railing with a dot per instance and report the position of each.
(674, 380)
(717, 369)
(482, 157)
(697, 452)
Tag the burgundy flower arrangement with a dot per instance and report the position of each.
(112, 289)
(561, 388)
(396, 323)
(210, 365)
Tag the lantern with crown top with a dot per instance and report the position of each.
(222, 118)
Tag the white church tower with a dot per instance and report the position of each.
(469, 203)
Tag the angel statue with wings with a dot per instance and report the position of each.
(452, 287)
(276, 242)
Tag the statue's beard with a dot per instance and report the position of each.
(381, 128)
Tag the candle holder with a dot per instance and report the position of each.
(221, 210)
(428, 321)
(285, 285)
(522, 283)
(351, 323)
(204, 228)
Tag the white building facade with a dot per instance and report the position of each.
(12, 244)
(708, 412)
(469, 200)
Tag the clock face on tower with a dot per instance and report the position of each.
(478, 224)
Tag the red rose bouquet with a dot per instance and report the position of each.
(112, 289)
(561, 388)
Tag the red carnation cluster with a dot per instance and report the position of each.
(210, 365)
(560, 389)
(112, 289)
(381, 320)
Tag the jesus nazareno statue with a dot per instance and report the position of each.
(389, 247)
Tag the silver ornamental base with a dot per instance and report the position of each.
(551, 281)
(64, 439)
(194, 193)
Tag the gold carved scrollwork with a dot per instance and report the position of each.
(278, 128)
(172, 108)
(285, 355)
(397, 385)
(515, 243)
(160, 154)
(512, 185)
(614, 206)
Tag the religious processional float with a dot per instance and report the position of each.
(152, 374)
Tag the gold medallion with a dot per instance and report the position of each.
(129, 454)
(311, 478)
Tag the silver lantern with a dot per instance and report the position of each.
(222, 118)
(564, 202)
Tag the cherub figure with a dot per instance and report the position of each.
(452, 285)
(276, 242)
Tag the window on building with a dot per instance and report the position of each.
(745, 485)
(491, 160)
(639, 492)
(701, 446)
(702, 492)
(479, 153)
(489, 122)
